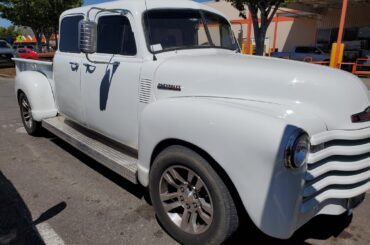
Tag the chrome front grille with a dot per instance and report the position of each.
(338, 167)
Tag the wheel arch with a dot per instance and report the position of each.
(38, 91)
(164, 144)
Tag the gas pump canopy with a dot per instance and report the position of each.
(340, 17)
(317, 6)
(321, 7)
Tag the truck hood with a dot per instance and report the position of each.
(329, 94)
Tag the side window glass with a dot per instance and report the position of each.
(69, 34)
(220, 31)
(115, 36)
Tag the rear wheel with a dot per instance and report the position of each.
(191, 201)
(32, 127)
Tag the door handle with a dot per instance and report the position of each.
(74, 66)
(90, 68)
(89, 65)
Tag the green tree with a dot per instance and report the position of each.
(263, 9)
(40, 15)
(9, 32)
(25, 13)
(54, 10)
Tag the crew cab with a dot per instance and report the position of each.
(159, 92)
(303, 53)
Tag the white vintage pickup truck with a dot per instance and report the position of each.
(158, 92)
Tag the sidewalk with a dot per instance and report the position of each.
(7, 72)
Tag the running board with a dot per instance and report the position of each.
(118, 161)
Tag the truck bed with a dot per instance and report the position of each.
(45, 67)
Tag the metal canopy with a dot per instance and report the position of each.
(319, 7)
(294, 13)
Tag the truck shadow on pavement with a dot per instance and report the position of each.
(321, 228)
(136, 190)
(16, 224)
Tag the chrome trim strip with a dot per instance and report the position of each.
(338, 151)
(334, 194)
(340, 135)
(335, 180)
(337, 166)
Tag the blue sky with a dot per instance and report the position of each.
(6, 23)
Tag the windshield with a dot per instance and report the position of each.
(187, 29)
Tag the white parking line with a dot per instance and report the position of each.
(48, 234)
(21, 130)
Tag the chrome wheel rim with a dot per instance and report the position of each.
(186, 199)
(26, 113)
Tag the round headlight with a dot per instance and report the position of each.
(297, 151)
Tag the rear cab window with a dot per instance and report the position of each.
(69, 34)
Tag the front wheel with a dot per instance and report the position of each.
(191, 201)
(32, 127)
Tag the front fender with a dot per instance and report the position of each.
(247, 142)
(37, 88)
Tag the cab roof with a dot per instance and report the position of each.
(137, 7)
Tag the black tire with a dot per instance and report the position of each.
(32, 127)
(225, 220)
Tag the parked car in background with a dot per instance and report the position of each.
(6, 53)
(31, 47)
(304, 53)
(18, 46)
(27, 53)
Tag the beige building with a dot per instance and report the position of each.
(289, 29)
(310, 23)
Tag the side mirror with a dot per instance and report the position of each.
(88, 36)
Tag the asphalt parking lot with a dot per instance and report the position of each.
(51, 193)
